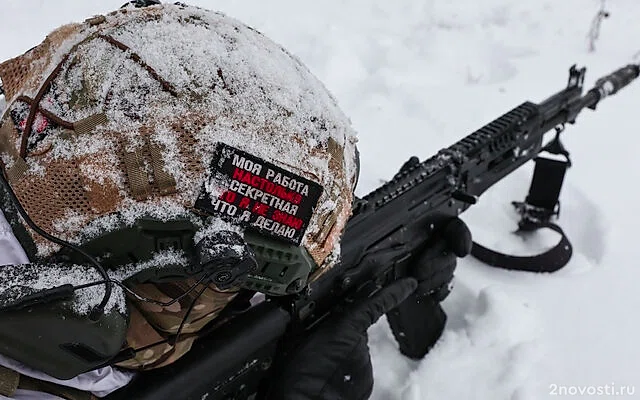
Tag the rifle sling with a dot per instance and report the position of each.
(549, 261)
(541, 204)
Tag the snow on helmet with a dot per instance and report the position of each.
(173, 111)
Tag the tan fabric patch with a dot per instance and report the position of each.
(49, 197)
(163, 181)
(8, 381)
(102, 192)
(25, 73)
(8, 136)
(87, 125)
(136, 176)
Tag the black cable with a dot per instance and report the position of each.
(186, 316)
(130, 353)
(106, 280)
(142, 298)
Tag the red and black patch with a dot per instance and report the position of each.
(259, 195)
(41, 128)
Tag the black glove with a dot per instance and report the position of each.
(419, 321)
(434, 267)
(333, 363)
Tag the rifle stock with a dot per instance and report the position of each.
(389, 229)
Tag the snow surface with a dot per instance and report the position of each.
(417, 76)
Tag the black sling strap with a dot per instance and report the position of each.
(549, 261)
(540, 206)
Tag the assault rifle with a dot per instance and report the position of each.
(388, 229)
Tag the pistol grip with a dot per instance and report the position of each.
(417, 324)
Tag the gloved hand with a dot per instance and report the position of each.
(434, 267)
(333, 363)
(418, 323)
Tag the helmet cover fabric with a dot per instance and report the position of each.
(117, 118)
(131, 104)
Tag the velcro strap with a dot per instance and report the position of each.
(97, 20)
(85, 126)
(7, 133)
(9, 380)
(165, 183)
(19, 167)
(335, 151)
(549, 261)
(137, 178)
(17, 170)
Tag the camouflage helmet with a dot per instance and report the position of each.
(173, 112)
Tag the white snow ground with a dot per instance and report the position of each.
(417, 76)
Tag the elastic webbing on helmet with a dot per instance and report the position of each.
(19, 167)
(136, 177)
(85, 126)
(165, 183)
(33, 111)
(135, 57)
